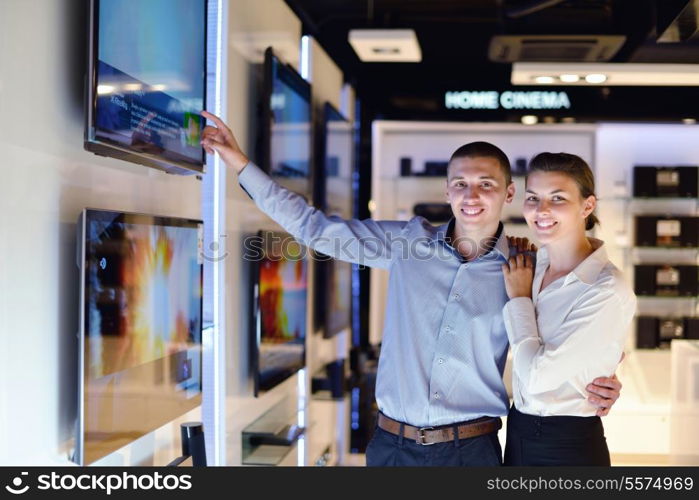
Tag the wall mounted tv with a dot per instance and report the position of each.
(140, 344)
(285, 133)
(147, 82)
(280, 290)
(333, 190)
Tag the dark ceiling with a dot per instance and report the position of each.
(455, 34)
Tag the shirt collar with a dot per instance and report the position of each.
(588, 270)
(445, 231)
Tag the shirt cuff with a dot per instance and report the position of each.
(520, 319)
(252, 179)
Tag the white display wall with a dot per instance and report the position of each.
(250, 30)
(47, 179)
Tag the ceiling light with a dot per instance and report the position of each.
(569, 78)
(386, 45)
(305, 65)
(689, 121)
(628, 74)
(529, 120)
(596, 78)
(544, 79)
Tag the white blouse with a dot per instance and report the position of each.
(568, 334)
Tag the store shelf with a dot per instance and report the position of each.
(674, 297)
(267, 455)
(661, 256)
(418, 178)
(662, 306)
(647, 198)
(270, 438)
(694, 249)
(681, 207)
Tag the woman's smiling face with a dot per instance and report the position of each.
(554, 207)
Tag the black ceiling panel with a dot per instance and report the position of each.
(455, 35)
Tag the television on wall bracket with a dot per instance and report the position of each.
(279, 282)
(334, 195)
(146, 82)
(140, 341)
(284, 140)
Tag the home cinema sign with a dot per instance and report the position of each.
(491, 99)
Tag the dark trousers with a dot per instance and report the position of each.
(386, 450)
(556, 440)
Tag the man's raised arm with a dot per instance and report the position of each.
(364, 242)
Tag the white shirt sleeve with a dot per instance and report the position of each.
(594, 329)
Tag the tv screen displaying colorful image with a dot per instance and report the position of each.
(286, 125)
(147, 82)
(140, 354)
(280, 301)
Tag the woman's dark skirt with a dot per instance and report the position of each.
(554, 441)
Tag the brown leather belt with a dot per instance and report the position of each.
(441, 434)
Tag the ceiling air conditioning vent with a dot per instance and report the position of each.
(554, 48)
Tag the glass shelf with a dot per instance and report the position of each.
(647, 198)
(664, 248)
(420, 178)
(267, 440)
(675, 297)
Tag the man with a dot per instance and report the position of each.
(439, 385)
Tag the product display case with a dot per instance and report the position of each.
(664, 211)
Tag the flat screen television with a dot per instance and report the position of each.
(146, 82)
(333, 284)
(140, 341)
(285, 135)
(280, 296)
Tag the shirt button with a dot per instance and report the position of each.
(457, 296)
(440, 360)
(447, 328)
(436, 395)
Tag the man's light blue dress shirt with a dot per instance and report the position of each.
(444, 341)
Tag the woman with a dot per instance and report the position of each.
(566, 321)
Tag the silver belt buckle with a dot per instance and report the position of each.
(420, 439)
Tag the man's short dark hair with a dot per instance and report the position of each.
(487, 150)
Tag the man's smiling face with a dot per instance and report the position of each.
(477, 190)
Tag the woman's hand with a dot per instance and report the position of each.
(521, 244)
(221, 140)
(519, 275)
